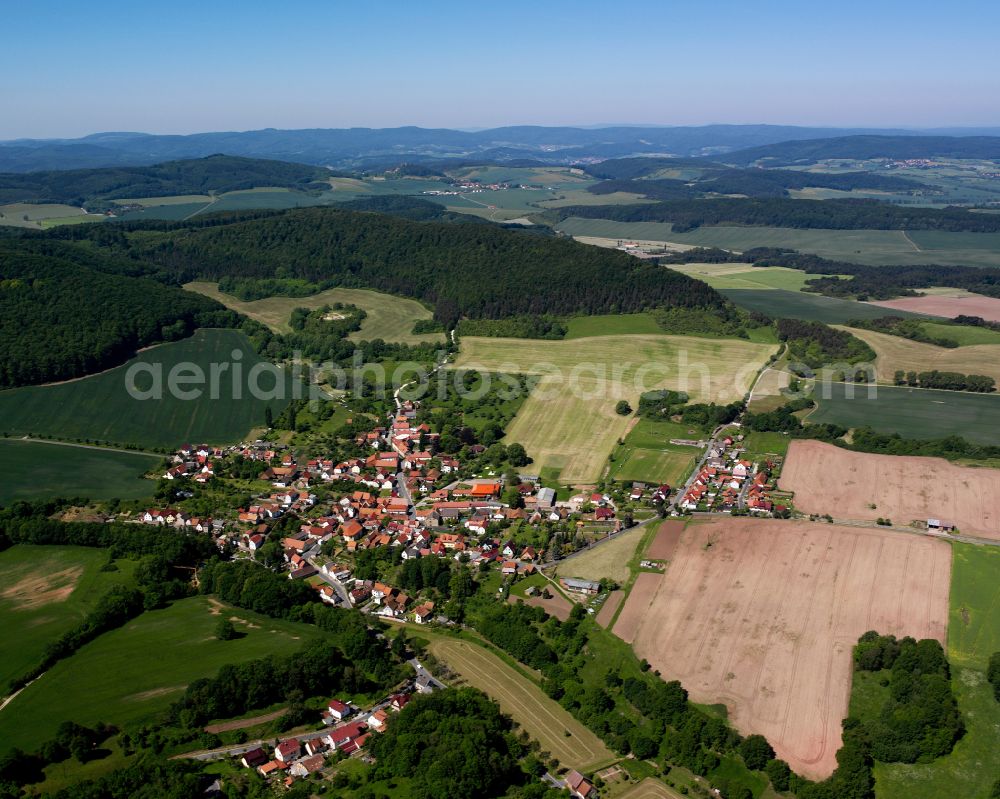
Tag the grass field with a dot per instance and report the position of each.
(762, 444)
(974, 628)
(610, 559)
(746, 276)
(40, 470)
(913, 413)
(648, 456)
(611, 325)
(876, 247)
(543, 718)
(100, 408)
(804, 305)
(965, 335)
(45, 591)
(44, 215)
(130, 674)
(389, 318)
(574, 430)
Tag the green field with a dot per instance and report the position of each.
(611, 325)
(913, 413)
(42, 470)
(389, 318)
(99, 408)
(804, 305)
(44, 215)
(130, 674)
(876, 247)
(973, 634)
(648, 456)
(759, 445)
(965, 335)
(745, 276)
(44, 592)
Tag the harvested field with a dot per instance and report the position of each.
(607, 559)
(974, 305)
(763, 614)
(894, 352)
(857, 485)
(557, 605)
(667, 538)
(608, 609)
(544, 719)
(651, 788)
(38, 590)
(638, 602)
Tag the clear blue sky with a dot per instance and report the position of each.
(72, 68)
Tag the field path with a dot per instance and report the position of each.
(35, 440)
(241, 724)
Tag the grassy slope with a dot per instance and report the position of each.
(131, 674)
(611, 325)
(40, 470)
(965, 335)
(99, 407)
(34, 607)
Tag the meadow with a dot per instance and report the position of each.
(648, 456)
(965, 335)
(607, 560)
(611, 325)
(43, 470)
(574, 431)
(390, 318)
(129, 675)
(99, 407)
(43, 215)
(913, 412)
(44, 592)
(808, 306)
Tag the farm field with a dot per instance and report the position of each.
(746, 276)
(575, 431)
(965, 335)
(557, 605)
(637, 604)
(763, 614)
(132, 673)
(895, 352)
(648, 456)
(974, 631)
(41, 470)
(650, 788)
(99, 407)
(875, 247)
(664, 545)
(610, 560)
(904, 489)
(609, 608)
(912, 412)
(805, 305)
(44, 592)
(611, 325)
(544, 719)
(44, 215)
(936, 305)
(767, 391)
(390, 318)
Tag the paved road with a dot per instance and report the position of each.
(333, 582)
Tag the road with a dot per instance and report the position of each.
(701, 463)
(331, 581)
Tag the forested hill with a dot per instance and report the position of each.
(784, 212)
(478, 271)
(60, 318)
(216, 173)
(865, 147)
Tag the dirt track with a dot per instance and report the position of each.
(762, 615)
(845, 484)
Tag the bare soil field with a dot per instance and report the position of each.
(763, 614)
(667, 538)
(637, 604)
(974, 305)
(37, 590)
(607, 611)
(557, 605)
(857, 485)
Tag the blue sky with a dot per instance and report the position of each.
(72, 68)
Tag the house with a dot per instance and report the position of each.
(308, 766)
(581, 586)
(579, 786)
(254, 758)
(546, 498)
(423, 613)
(378, 720)
(270, 767)
(341, 737)
(339, 710)
(424, 684)
(528, 553)
(399, 701)
(604, 514)
(288, 751)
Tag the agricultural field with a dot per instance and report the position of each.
(875, 247)
(130, 674)
(895, 352)
(574, 431)
(664, 544)
(965, 335)
(648, 456)
(606, 560)
(611, 325)
(637, 605)
(43, 470)
(746, 276)
(859, 485)
(44, 215)
(805, 305)
(99, 407)
(390, 318)
(545, 720)
(947, 306)
(912, 412)
(768, 391)
(762, 615)
(44, 592)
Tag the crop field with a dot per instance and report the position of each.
(746, 276)
(100, 408)
(610, 560)
(668, 536)
(949, 307)
(569, 421)
(767, 391)
(168, 213)
(130, 674)
(389, 318)
(637, 604)
(974, 631)
(42, 470)
(175, 199)
(43, 215)
(965, 335)
(611, 325)
(912, 412)
(805, 305)
(44, 592)
(650, 788)
(545, 720)
(762, 615)
(895, 352)
(609, 608)
(859, 485)
(876, 247)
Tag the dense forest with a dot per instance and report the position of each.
(848, 214)
(60, 318)
(216, 173)
(816, 345)
(867, 147)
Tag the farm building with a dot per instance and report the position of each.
(582, 586)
